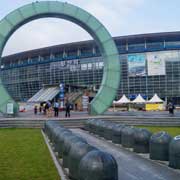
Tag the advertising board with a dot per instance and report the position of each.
(137, 65)
(156, 64)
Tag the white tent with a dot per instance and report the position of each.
(139, 100)
(155, 99)
(123, 100)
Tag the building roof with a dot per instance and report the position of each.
(138, 38)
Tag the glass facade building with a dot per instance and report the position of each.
(150, 63)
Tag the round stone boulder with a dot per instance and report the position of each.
(58, 145)
(55, 131)
(77, 152)
(116, 135)
(159, 146)
(141, 140)
(69, 141)
(49, 125)
(97, 126)
(127, 137)
(174, 153)
(102, 128)
(88, 124)
(108, 130)
(98, 165)
(92, 126)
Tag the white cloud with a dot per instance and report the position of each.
(47, 32)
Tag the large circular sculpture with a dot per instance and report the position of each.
(108, 49)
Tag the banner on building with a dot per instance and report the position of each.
(156, 64)
(137, 65)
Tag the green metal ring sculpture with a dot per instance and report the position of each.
(43, 9)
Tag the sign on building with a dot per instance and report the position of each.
(137, 65)
(156, 63)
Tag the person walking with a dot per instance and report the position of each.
(171, 108)
(48, 108)
(35, 109)
(40, 109)
(67, 108)
(56, 109)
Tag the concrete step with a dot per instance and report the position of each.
(39, 123)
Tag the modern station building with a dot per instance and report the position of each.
(150, 64)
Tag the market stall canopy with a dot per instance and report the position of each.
(155, 99)
(123, 100)
(114, 102)
(139, 99)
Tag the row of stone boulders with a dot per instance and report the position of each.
(84, 161)
(161, 146)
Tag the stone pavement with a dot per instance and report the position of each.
(75, 114)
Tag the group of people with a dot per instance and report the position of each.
(48, 108)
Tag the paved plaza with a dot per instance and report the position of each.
(78, 114)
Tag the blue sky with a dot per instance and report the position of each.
(121, 17)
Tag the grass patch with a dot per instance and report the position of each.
(173, 131)
(25, 156)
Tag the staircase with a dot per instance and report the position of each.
(45, 94)
(72, 97)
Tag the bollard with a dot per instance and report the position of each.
(92, 125)
(159, 146)
(60, 141)
(77, 152)
(55, 131)
(98, 125)
(116, 135)
(102, 128)
(68, 142)
(88, 124)
(56, 134)
(50, 125)
(108, 130)
(98, 165)
(141, 140)
(127, 137)
(174, 153)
